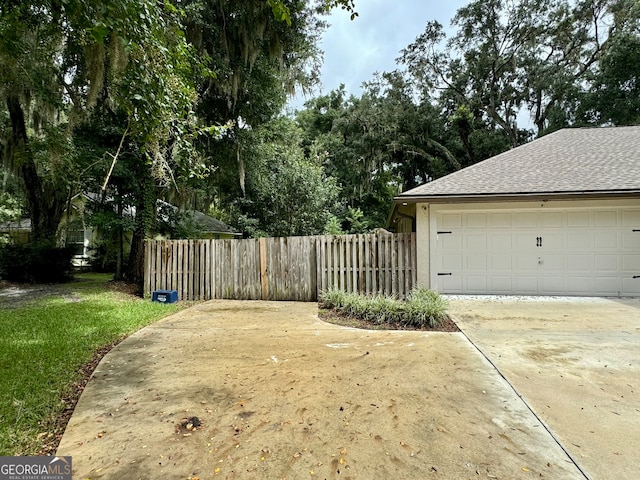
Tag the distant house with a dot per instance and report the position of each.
(206, 226)
(17, 231)
(76, 232)
(557, 216)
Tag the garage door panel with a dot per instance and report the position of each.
(631, 263)
(499, 220)
(606, 240)
(606, 286)
(584, 251)
(579, 240)
(525, 263)
(551, 284)
(553, 263)
(631, 240)
(606, 263)
(552, 219)
(605, 218)
(524, 242)
(475, 262)
(553, 242)
(451, 262)
(526, 284)
(475, 220)
(580, 262)
(578, 285)
(501, 284)
(631, 218)
(500, 262)
(475, 283)
(499, 242)
(578, 219)
(450, 283)
(475, 242)
(525, 219)
(631, 286)
(450, 220)
(450, 242)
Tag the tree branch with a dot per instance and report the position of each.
(115, 159)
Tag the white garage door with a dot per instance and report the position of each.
(592, 251)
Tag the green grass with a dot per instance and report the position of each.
(423, 308)
(43, 343)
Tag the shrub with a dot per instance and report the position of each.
(383, 309)
(40, 262)
(333, 298)
(426, 307)
(423, 307)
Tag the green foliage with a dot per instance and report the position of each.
(376, 145)
(356, 221)
(333, 298)
(10, 207)
(423, 308)
(39, 262)
(103, 256)
(426, 307)
(177, 224)
(44, 342)
(285, 192)
(614, 97)
(333, 226)
(509, 57)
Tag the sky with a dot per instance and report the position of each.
(355, 50)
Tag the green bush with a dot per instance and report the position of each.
(426, 307)
(423, 308)
(333, 298)
(40, 262)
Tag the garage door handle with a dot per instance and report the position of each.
(444, 274)
(538, 241)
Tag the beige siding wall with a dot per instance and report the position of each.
(422, 247)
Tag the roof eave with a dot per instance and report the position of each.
(516, 196)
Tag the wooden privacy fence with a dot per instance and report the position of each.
(287, 268)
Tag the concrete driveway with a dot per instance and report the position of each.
(276, 393)
(576, 364)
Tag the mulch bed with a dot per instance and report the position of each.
(339, 318)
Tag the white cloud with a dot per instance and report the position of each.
(355, 50)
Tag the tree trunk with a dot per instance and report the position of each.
(119, 256)
(45, 201)
(145, 220)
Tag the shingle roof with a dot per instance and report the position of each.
(212, 224)
(568, 161)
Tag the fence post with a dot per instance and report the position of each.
(263, 269)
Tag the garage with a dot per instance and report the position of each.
(557, 216)
(585, 250)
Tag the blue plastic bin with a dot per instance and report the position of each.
(165, 296)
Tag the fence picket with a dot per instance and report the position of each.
(293, 268)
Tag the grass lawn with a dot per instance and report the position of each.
(46, 339)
